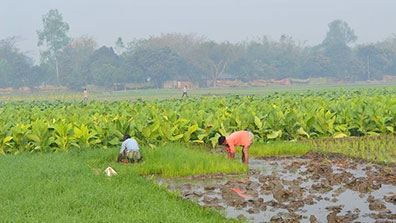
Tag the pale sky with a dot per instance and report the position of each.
(306, 21)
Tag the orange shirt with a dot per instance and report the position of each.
(239, 138)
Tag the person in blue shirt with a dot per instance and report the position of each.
(130, 150)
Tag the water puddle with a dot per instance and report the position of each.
(312, 188)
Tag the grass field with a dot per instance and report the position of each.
(71, 187)
(149, 94)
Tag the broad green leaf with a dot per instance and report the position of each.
(176, 137)
(301, 131)
(340, 135)
(258, 123)
(274, 134)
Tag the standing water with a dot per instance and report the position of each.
(312, 188)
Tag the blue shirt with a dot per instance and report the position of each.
(130, 145)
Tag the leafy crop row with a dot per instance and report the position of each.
(58, 125)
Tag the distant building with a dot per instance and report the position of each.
(175, 84)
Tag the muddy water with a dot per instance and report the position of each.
(311, 188)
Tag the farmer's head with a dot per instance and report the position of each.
(126, 136)
(221, 140)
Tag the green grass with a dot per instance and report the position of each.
(71, 187)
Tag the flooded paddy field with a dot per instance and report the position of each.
(310, 188)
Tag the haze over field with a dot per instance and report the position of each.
(306, 21)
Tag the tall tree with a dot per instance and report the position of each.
(186, 47)
(289, 55)
(104, 67)
(14, 65)
(215, 58)
(335, 46)
(159, 64)
(339, 33)
(314, 64)
(256, 60)
(119, 46)
(54, 37)
(389, 46)
(74, 60)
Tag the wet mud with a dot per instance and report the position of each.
(310, 188)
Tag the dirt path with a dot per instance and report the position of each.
(311, 188)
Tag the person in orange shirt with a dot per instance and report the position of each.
(239, 138)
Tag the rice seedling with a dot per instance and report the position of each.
(377, 149)
(177, 160)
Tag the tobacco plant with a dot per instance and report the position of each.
(61, 124)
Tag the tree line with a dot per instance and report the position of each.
(78, 62)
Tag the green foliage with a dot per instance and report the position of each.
(19, 133)
(54, 33)
(54, 37)
(148, 63)
(59, 125)
(14, 65)
(85, 137)
(40, 136)
(64, 137)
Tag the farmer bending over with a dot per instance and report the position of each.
(130, 150)
(239, 138)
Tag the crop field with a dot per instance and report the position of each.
(56, 125)
(179, 137)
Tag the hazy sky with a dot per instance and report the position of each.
(220, 20)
